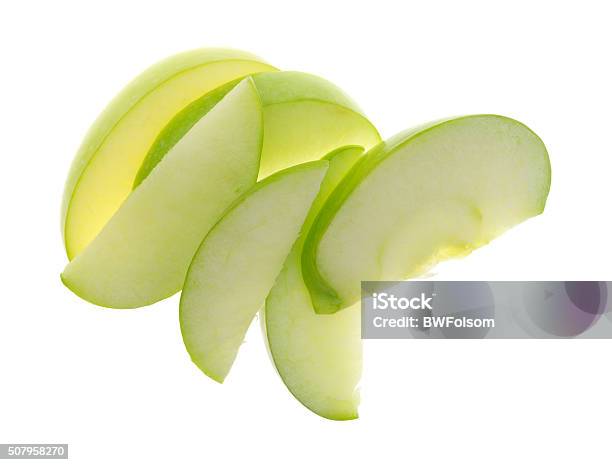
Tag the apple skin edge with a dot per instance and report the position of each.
(325, 298)
(179, 126)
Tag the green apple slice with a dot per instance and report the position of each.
(103, 171)
(317, 356)
(236, 264)
(420, 197)
(305, 117)
(142, 254)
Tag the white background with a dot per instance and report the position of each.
(118, 385)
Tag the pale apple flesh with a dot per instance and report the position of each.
(142, 254)
(305, 117)
(102, 174)
(317, 356)
(420, 197)
(237, 263)
(180, 125)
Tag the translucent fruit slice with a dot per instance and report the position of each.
(422, 196)
(317, 356)
(237, 263)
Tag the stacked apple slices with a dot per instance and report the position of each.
(253, 190)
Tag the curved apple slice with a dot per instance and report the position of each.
(317, 356)
(142, 254)
(235, 267)
(305, 117)
(422, 196)
(103, 170)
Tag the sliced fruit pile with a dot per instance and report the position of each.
(253, 189)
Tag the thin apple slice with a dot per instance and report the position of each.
(142, 254)
(305, 117)
(103, 171)
(235, 267)
(422, 196)
(317, 356)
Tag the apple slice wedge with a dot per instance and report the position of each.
(142, 254)
(318, 357)
(425, 195)
(102, 173)
(236, 264)
(305, 117)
